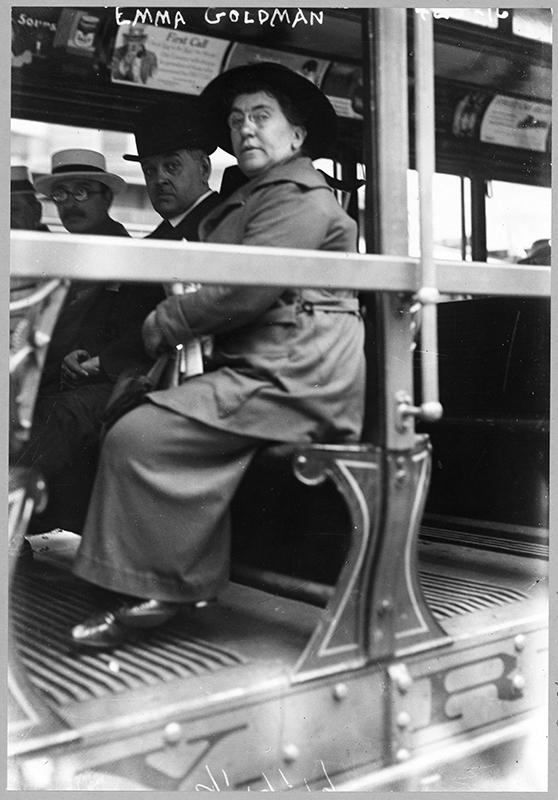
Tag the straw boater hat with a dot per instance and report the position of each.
(20, 181)
(320, 119)
(79, 164)
(178, 125)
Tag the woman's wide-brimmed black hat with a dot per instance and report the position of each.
(319, 115)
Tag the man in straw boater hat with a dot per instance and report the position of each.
(287, 366)
(82, 191)
(133, 62)
(96, 338)
(25, 209)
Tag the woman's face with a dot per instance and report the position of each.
(261, 135)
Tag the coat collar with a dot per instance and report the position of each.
(297, 170)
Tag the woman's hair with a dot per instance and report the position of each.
(295, 113)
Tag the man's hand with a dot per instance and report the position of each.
(153, 337)
(78, 367)
(92, 366)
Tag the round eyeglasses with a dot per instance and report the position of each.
(80, 195)
(236, 119)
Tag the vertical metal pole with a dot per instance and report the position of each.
(425, 148)
(463, 219)
(478, 218)
(386, 146)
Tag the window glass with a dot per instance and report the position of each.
(487, 17)
(451, 216)
(533, 23)
(517, 216)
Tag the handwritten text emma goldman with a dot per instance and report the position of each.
(269, 17)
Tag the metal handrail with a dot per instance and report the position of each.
(97, 258)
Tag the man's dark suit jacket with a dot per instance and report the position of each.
(188, 227)
(66, 429)
(103, 319)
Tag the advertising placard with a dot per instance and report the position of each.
(166, 59)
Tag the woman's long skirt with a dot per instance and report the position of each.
(158, 524)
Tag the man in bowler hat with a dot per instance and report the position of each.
(174, 143)
(25, 209)
(25, 214)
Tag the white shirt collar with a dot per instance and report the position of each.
(174, 221)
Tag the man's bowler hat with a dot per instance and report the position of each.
(176, 125)
(20, 181)
(79, 164)
(319, 116)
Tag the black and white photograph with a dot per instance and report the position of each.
(278, 429)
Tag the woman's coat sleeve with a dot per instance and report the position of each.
(278, 215)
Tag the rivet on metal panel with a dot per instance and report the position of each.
(172, 733)
(400, 471)
(519, 642)
(384, 607)
(518, 682)
(301, 460)
(401, 677)
(402, 754)
(290, 753)
(40, 339)
(403, 720)
(340, 691)
(429, 780)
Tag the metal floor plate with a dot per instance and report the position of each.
(448, 596)
(42, 614)
(44, 609)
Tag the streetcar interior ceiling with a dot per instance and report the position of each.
(65, 88)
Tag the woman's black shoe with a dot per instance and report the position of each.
(137, 613)
(100, 632)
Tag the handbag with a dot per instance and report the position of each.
(130, 391)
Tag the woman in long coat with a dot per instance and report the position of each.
(287, 365)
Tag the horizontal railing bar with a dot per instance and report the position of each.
(99, 258)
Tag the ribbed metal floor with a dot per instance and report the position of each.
(42, 613)
(449, 596)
